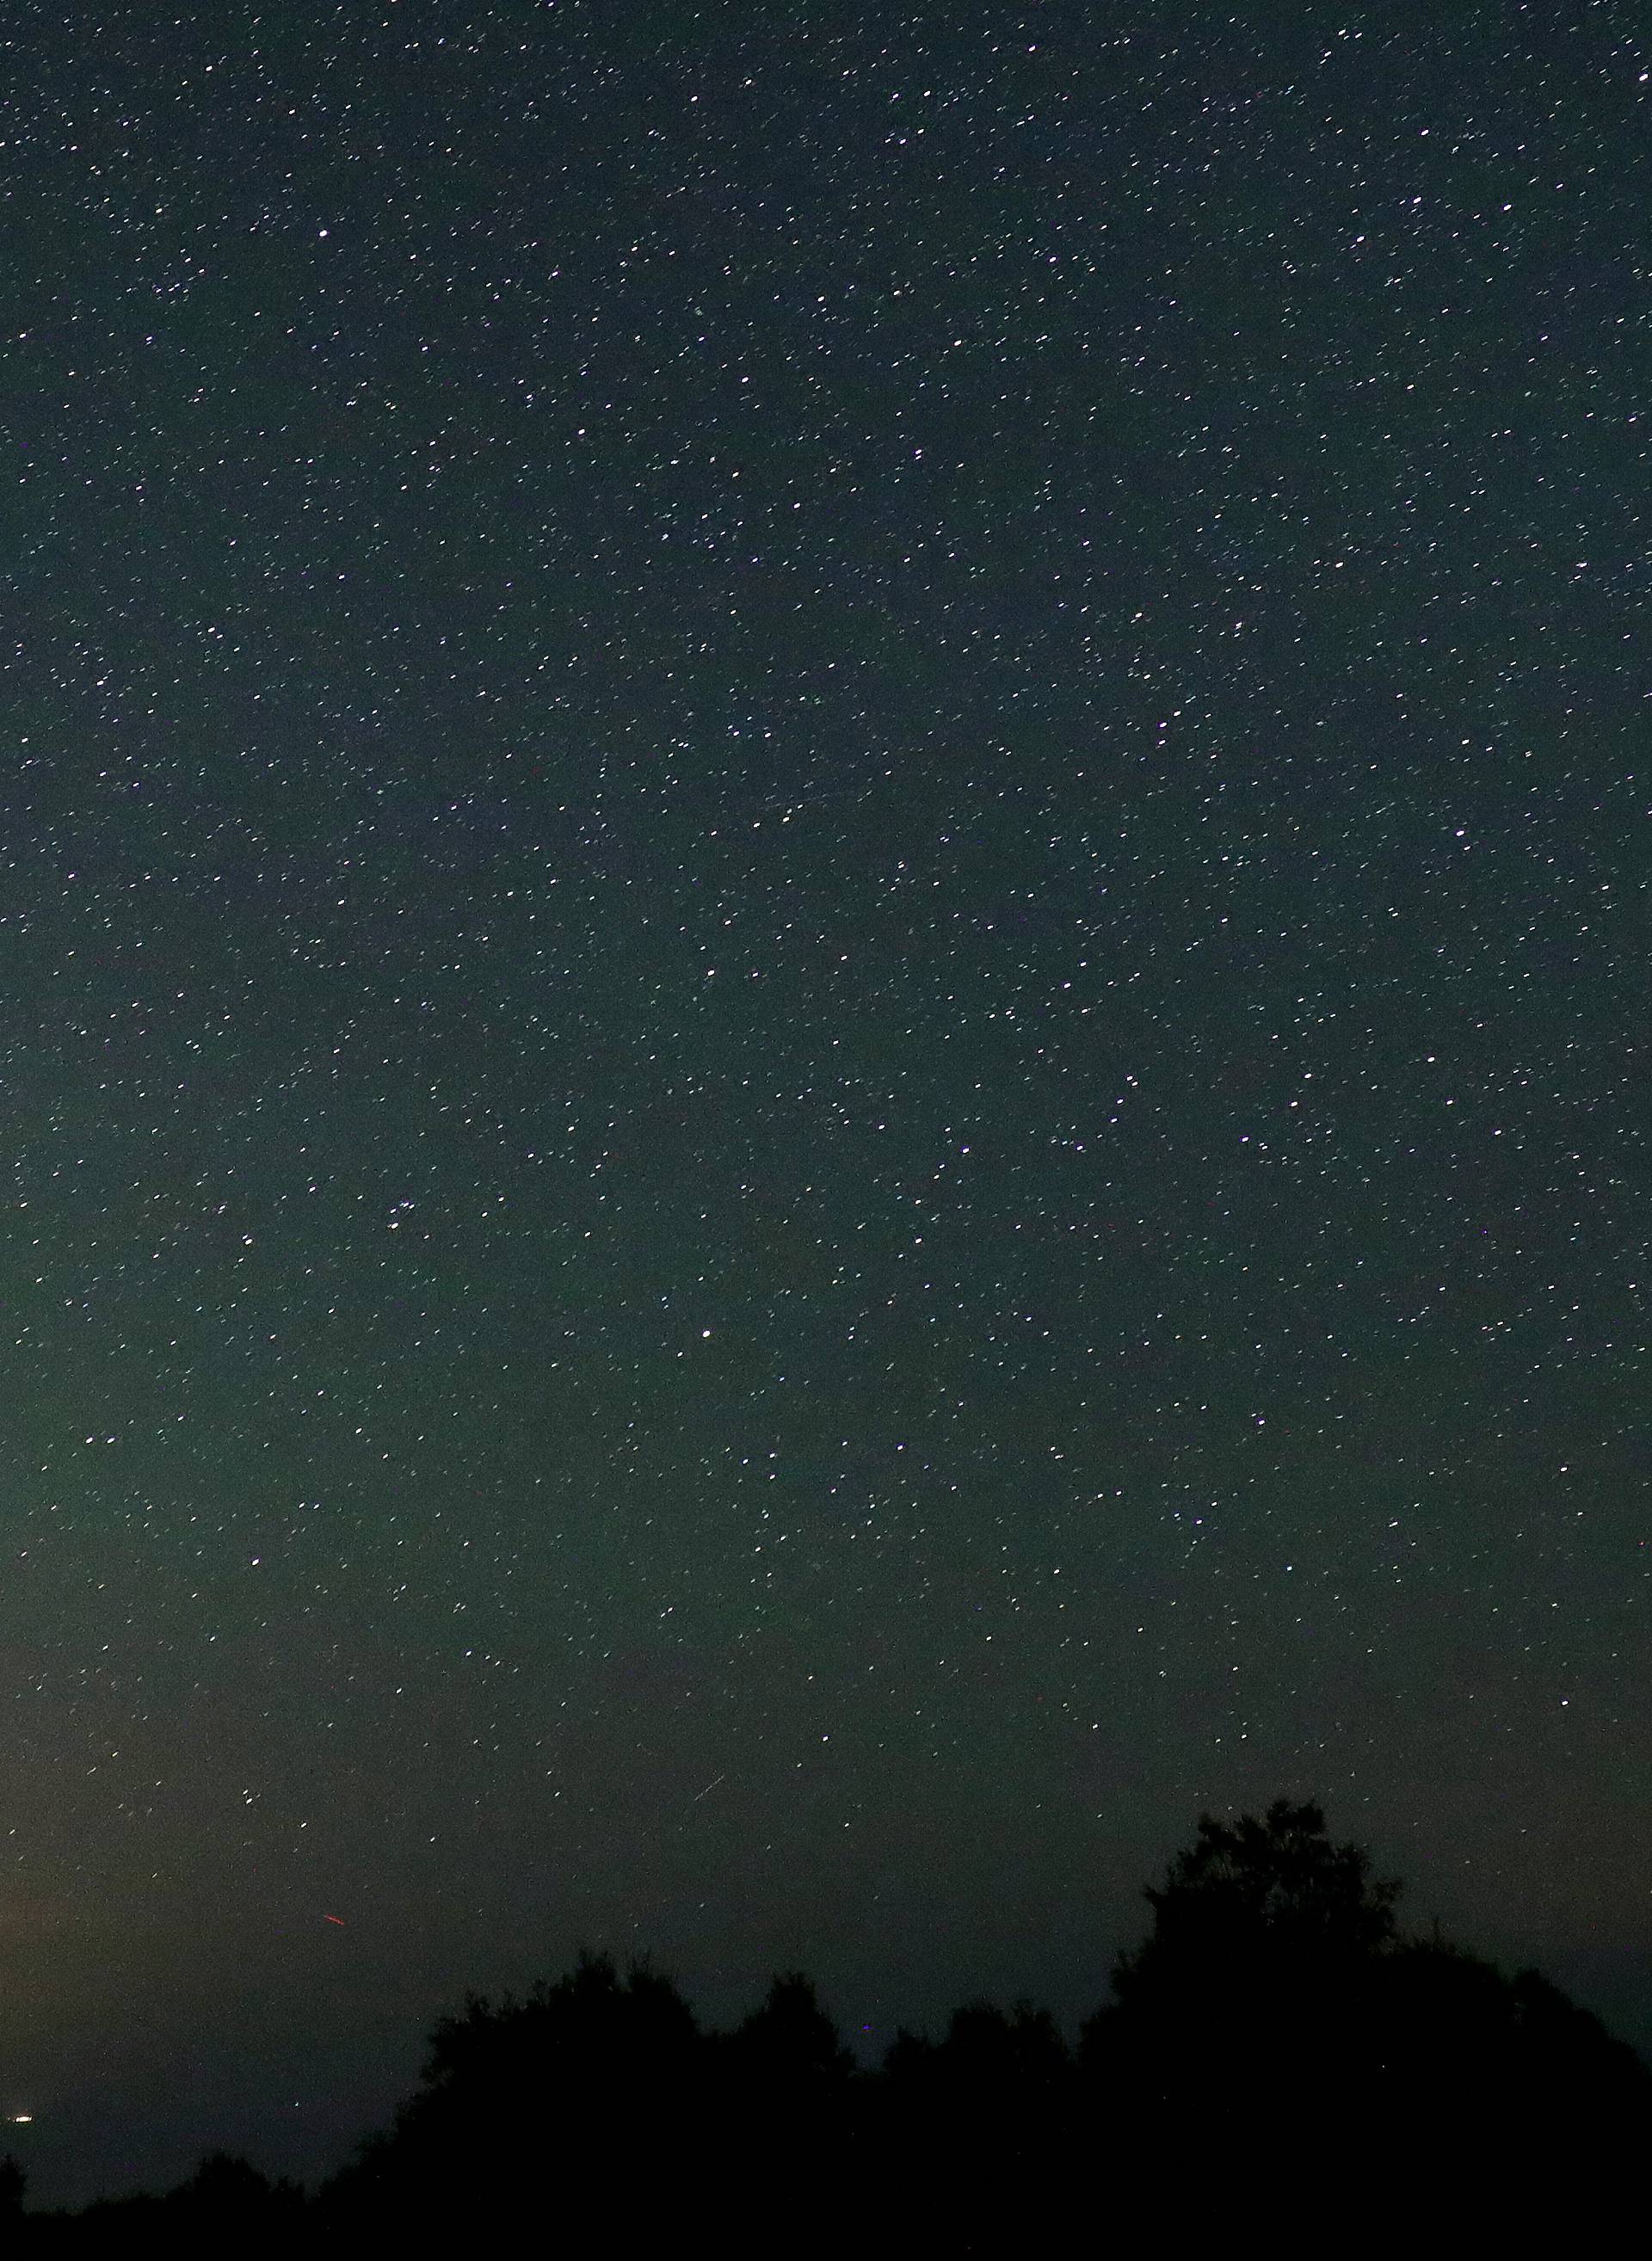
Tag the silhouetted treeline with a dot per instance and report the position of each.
(1276, 2054)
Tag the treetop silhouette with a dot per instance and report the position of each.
(1271, 1891)
(1275, 2020)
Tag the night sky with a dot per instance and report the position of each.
(823, 934)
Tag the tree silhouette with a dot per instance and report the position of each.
(1274, 2031)
(1275, 2019)
(595, 2073)
(790, 2038)
(225, 2200)
(1252, 1995)
(1276, 1889)
(229, 2195)
(979, 2125)
(788, 2089)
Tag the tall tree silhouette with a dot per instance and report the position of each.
(1276, 2018)
(788, 2093)
(1251, 2008)
(789, 2039)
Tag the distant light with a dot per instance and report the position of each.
(21, 2119)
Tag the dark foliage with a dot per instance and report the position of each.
(1274, 2040)
(1276, 2016)
(226, 2206)
(980, 2128)
(597, 2069)
(1251, 1999)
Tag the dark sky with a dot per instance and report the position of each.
(823, 953)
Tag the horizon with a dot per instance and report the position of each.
(69, 2160)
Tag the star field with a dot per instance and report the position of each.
(823, 936)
